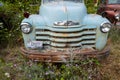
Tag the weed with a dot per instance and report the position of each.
(16, 67)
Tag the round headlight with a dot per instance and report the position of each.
(26, 28)
(105, 27)
(117, 16)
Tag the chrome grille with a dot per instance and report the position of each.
(59, 38)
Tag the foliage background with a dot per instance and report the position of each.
(11, 14)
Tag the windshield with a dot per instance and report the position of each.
(114, 2)
(49, 1)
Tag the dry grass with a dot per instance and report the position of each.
(110, 68)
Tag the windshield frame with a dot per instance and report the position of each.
(80, 1)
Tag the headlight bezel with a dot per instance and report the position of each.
(26, 25)
(117, 16)
(105, 27)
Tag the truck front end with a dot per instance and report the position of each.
(63, 31)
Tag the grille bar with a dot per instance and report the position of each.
(65, 30)
(64, 39)
(72, 45)
(65, 35)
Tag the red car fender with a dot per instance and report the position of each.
(110, 15)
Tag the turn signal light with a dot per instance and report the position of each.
(26, 14)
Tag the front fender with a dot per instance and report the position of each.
(110, 15)
(97, 20)
(94, 19)
(34, 20)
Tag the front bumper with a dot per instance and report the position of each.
(64, 56)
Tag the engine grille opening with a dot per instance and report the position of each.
(67, 39)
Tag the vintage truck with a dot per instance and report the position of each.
(111, 10)
(63, 31)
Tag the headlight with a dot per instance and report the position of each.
(117, 16)
(105, 27)
(26, 28)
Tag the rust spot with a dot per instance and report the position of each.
(65, 34)
(61, 56)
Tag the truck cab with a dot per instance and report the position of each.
(62, 26)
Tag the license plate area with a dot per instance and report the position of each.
(35, 44)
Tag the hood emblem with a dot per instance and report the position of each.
(66, 23)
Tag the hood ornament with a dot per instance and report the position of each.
(66, 23)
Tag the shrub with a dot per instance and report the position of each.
(11, 15)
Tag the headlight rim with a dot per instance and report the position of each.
(101, 27)
(117, 15)
(27, 24)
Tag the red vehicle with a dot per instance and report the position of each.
(111, 10)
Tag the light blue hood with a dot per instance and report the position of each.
(69, 11)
